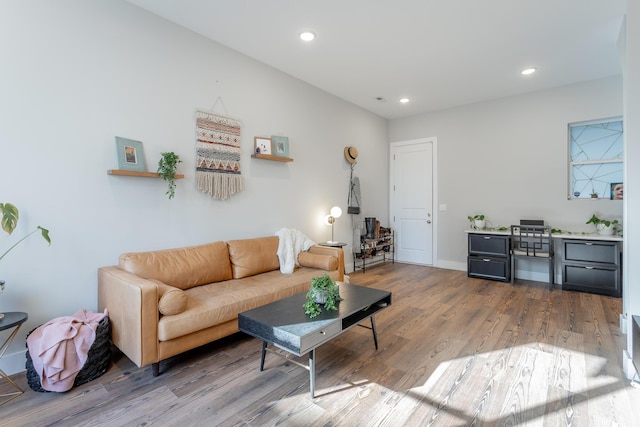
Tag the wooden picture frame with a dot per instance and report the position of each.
(262, 145)
(280, 146)
(130, 154)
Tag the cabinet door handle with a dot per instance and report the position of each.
(588, 268)
(589, 244)
(487, 238)
(486, 259)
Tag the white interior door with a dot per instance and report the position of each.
(412, 214)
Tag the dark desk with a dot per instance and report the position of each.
(589, 262)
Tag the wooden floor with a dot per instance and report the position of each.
(454, 351)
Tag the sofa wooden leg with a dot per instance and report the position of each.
(155, 369)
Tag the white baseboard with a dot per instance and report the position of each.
(452, 265)
(14, 363)
(623, 323)
(627, 365)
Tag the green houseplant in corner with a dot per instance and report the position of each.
(325, 291)
(167, 167)
(10, 216)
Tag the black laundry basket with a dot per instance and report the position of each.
(98, 359)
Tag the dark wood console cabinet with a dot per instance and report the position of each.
(592, 266)
(488, 257)
(589, 262)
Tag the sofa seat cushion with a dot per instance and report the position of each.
(216, 303)
(182, 268)
(253, 256)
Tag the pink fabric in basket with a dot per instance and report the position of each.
(59, 348)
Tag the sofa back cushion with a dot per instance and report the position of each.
(182, 268)
(253, 256)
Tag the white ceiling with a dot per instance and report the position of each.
(439, 53)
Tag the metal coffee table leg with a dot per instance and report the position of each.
(312, 372)
(264, 352)
(375, 333)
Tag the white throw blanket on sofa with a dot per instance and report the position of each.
(291, 243)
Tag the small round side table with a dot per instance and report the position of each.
(12, 319)
(333, 244)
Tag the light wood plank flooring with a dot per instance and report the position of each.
(454, 351)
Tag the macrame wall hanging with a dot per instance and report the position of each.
(218, 154)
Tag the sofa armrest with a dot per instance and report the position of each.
(132, 303)
(333, 251)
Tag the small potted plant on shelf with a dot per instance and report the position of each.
(324, 291)
(167, 167)
(604, 226)
(477, 222)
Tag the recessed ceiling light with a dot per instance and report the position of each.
(528, 71)
(307, 36)
(404, 100)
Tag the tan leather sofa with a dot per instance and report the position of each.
(162, 303)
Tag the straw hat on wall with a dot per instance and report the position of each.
(351, 154)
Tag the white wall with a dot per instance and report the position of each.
(75, 74)
(508, 160)
(631, 65)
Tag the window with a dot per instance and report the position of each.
(596, 158)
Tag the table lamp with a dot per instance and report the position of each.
(335, 213)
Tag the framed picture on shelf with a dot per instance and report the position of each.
(130, 155)
(262, 145)
(280, 146)
(617, 189)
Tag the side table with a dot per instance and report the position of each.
(13, 319)
(333, 244)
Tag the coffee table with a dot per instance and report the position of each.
(283, 323)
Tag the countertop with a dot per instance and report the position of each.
(563, 235)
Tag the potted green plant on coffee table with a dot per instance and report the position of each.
(324, 292)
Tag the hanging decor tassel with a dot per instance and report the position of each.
(218, 155)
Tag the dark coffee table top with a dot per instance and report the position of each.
(285, 324)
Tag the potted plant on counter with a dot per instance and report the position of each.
(477, 222)
(324, 291)
(604, 226)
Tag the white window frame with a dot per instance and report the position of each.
(572, 163)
